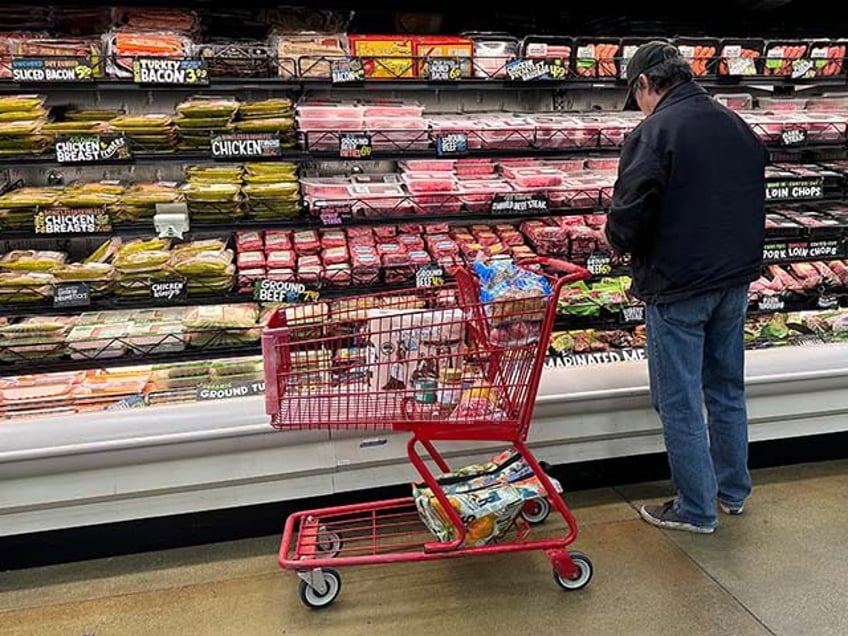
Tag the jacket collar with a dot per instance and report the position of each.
(679, 93)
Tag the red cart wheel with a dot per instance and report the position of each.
(584, 574)
(536, 511)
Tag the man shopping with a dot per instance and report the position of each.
(689, 208)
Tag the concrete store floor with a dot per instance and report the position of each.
(781, 568)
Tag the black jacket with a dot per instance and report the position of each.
(689, 200)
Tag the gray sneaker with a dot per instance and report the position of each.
(730, 509)
(664, 516)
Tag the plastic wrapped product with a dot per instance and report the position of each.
(306, 243)
(334, 256)
(492, 52)
(249, 241)
(281, 259)
(308, 54)
(332, 238)
(278, 240)
(741, 57)
(597, 57)
(338, 275)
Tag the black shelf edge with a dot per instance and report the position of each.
(302, 85)
(188, 355)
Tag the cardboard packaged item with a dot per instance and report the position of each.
(411, 345)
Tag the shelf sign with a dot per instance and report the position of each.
(226, 390)
(532, 70)
(71, 295)
(92, 148)
(347, 70)
(168, 291)
(160, 70)
(599, 264)
(355, 146)
(509, 204)
(793, 137)
(334, 214)
(771, 303)
(633, 314)
(592, 359)
(245, 145)
(442, 69)
(278, 291)
(72, 221)
(430, 276)
(452, 144)
(804, 251)
(804, 189)
(52, 69)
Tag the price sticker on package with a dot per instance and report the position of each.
(355, 146)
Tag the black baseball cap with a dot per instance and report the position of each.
(648, 56)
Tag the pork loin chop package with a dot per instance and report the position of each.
(410, 346)
(488, 497)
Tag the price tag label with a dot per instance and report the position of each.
(355, 146)
(157, 70)
(347, 71)
(599, 264)
(452, 144)
(52, 70)
(132, 402)
(277, 291)
(430, 276)
(771, 303)
(533, 70)
(803, 68)
(226, 390)
(71, 295)
(804, 189)
(520, 204)
(72, 221)
(92, 148)
(793, 137)
(824, 250)
(333, 214)
(444, 69)
(245, 145)
(168, 291)
(633, 314)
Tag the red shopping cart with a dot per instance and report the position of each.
(392, 361)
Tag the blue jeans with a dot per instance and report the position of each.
(696, 347)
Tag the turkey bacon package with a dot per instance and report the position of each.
(487, 497)
(515, 300)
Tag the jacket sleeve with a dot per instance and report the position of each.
(636, 197)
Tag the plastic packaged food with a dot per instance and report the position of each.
(492, 52)
(701, 53)
(308, 54)
(741, 57)
(596, 57)
(788, 58)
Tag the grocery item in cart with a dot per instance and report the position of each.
(488, 498)
(515, 301)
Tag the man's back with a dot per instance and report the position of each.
(708, 227)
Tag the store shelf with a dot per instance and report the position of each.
(143, 463)
(230, 84)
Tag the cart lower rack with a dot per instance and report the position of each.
(455, 362)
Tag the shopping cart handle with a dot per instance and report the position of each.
(572, 272)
